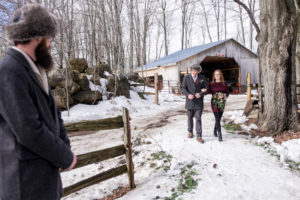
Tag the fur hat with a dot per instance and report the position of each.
(31, 21)
(196, 67)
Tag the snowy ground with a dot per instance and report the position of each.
(235, 169)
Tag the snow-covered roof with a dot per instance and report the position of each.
(180, 55)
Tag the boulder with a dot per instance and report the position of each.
(78, 64)
(123, 86)
(75, 88)
(84, 82)
(75, 75)
(136, 78)
(58, 78)
(87, 97)
(60, 98)
(90, 70)
(96, 80)
(98, 70)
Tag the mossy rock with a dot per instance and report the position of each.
(96, 80)
(136, 78)
(58, 78)
(60, 98)
(75, 75)
(123, 86)
(84, 82)
(78, 64)
(87, 97)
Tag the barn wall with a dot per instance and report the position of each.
(150, 72)
(248, 62)
(170, 73)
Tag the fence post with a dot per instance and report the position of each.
(128, 147)
(156, 87)
(248, 86)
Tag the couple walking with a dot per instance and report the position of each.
(195, 87)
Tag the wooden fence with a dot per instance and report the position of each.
(105, 154)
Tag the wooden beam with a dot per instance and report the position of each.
(128, 146)
(137, 84)
(98, 156)
(149, 93)
(248, 86)
(95, 179)
(95, 125)
(156, 88)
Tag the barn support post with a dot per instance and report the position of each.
(156, 87)
(248, 86)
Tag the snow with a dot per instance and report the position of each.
(288, 150)
(236, 116)
(243, 170)
(113, 107)
(107, 74)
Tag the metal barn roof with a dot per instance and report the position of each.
(181, 55)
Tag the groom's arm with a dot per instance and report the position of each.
(204, 85)
(184, 86)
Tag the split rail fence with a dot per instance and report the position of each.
(104, 154)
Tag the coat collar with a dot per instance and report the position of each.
(21, 58)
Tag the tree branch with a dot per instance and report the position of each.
(251, 16)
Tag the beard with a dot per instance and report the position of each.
(43, 56)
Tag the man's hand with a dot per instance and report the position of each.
(203, 90)
(191, 97)
(73, 163)
(197, 95)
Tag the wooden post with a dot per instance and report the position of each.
(128, 147)
(248, 86)
(156, 87)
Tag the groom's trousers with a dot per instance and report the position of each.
(197, 114)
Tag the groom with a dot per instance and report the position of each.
(195, 87)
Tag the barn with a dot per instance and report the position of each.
(234, 59)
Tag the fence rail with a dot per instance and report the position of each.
(104, 154)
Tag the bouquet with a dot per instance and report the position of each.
(219, 100)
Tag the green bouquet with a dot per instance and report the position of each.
(219, 100)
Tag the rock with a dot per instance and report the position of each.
(89, 71)
(98, 70)
(58, 79)
(84, 83)
(111, 84)
(75, 88)
(75, 75)
(97, 79)
(105, 67)
(60, 98)
(87, 97)
(123, 86)
(136, 78)
(78, 64)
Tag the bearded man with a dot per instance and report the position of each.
(34, 146)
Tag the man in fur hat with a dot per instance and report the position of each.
(34, 146)
(194, 87)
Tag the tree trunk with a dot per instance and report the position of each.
(277, 47)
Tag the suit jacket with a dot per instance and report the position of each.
(189, 87)
(33, 140)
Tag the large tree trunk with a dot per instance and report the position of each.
(277, 47)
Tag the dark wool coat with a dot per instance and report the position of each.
(189, 87)
(33, 140)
